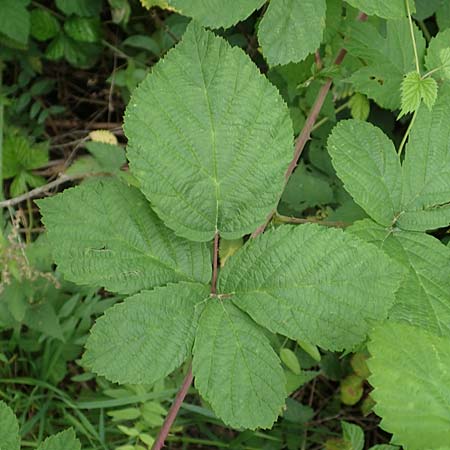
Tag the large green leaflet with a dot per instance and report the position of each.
(226, 134)
(314, 284)
(424, 175)
(411, 377)
(236, 369)
(387, 57)
(424, 295)
(217, 13)
(15, 20)
(9, 429)
(147, 336)
(388, 9)
(291, 29)
(104, 233)
(66, 440)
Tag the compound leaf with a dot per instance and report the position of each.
(291, 30)
(236, 370)
(387, 9)
(366, 161)
(426, 169)
(387, 59)
(329, 296)
(412, 385)
(66, 440)
(104, 233)
(217, 13)
(147, 336)
(9, 429)
(423, 298)
(214, 115)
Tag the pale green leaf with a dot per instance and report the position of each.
(353, 434)
(387, 9)
(443, 15)
(387, 58)
(423, 298)
(147, 336)
(9, 428)
(291, 29)
(15, 20)
(290, 360)
(329, 296)
(366, 161)
(438, 56)
(359, 106)
(414, 90)
(110, 157)
(209, 139)
(217, 13)
(411, 377)
(426, 8)
(235, 368)
(66, 440)
(104, 233)
(426, 169)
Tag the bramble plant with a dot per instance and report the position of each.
(211, 149)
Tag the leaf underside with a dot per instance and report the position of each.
(208, 106)
(412, 385)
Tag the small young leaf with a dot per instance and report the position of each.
(217, 13)
(236, 370)
(351, 390)
(104, 233)
(83, 29)
(65, 440)
(353, 434)
(359, 106)
(147, 336)
(9, 429)
(291, 30)
(327, 297)
(412, 388)
(208, 106)
(44, 25)
(311, 349)
(290, 360)
(414, 90)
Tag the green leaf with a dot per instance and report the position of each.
(208, 106)
(15, 20)
(423, 298)
(105, 233)
(387, 9)
(9, 428)
(353, 434)
(236, 370)
(426, 8)
(328, 296)
(359, 106)
(83, 29)
(387, 58)
(147, 336)
(366, 161)
(414, 90)
(82, 8)
(44, 25)
(216, 13)
(437, 55)
(426, 169)
(65, 440)
(415, 196)
(291, 30)
(412, 387)
(290, 360)
(110, 157)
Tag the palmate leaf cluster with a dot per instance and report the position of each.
(209, 141)
(217, 174)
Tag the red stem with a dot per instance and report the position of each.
(189, 378)
(305, 134)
